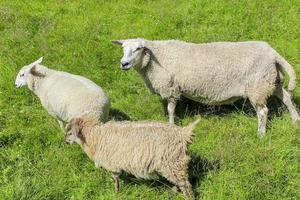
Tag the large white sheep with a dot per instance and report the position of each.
(144, 149)
(213, 73)
(64, 95)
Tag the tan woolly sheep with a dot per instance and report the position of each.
(144, 149)
(64, 95)
(212, 73)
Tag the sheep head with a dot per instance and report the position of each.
(135, 53)
(26, 74)
(74, 133)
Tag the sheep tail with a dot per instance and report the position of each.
(284, 65)
(188, 130)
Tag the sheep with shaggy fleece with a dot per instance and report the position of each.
(144, 149)
(212, 73)
(64, 95)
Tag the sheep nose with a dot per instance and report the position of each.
(124, 64)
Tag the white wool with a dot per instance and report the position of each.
(64, 95)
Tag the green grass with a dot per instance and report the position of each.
(75, 36)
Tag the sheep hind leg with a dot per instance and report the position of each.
(285, 97)
(179, 177)
(115, 177)
(171, 110)
(187, 189)
(262, 116)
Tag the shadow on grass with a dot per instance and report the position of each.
(198, 169)
(297, 101)
(117, 115)
(187, 107)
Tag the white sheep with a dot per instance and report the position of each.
(212, 73)
(65, 96)
(144, 149)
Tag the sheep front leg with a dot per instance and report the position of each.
(171, 109)
(262, 115)
(115, 177)
(61, 125)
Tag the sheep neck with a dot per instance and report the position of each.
(37, 81)
(90, 142)
(35, 85)
(153, 67)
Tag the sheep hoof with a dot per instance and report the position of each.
(175, 189)
(296, 121)
(261, 134)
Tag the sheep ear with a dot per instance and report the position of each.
(39, 61)
(35, 72)
(119, 42)
(67, 127)
(146, 49)
(78, 127)
(143, 45)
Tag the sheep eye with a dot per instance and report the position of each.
(21, 75)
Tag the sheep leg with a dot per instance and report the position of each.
(262, 116)
(179, 177)
(285, 97)
(187, 189)
(171, 109)
(175, 189)
(61, 125)
(115, 177)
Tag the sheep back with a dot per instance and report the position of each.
(139, 148)
(68, 96)
(212, 73)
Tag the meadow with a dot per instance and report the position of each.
(229, 160)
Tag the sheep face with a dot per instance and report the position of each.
(133, 53)
(71, 138)
(25, 73)
(21, 79)
(74, 132)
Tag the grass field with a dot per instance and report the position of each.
(230, 161)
